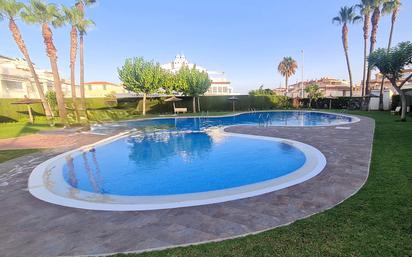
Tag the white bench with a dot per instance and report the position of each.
(180, 110)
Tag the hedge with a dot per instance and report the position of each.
(335, 103)
(15, 112)
(99, 109)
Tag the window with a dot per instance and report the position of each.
(104, 87)
(10, 85)
(50, 86)
(89, 87)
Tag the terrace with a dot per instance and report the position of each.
(346, 171)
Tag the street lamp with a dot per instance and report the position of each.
(301, 82)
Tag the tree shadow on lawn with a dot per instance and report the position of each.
(5, 119)
(14, 130)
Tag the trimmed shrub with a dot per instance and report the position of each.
(336, 103)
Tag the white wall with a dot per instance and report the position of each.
(374, 101)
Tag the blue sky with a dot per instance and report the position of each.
(246, 39)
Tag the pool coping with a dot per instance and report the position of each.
(46, 182)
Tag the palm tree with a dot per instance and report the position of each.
(287, 67)
(389, 7)
(365, 9)
(80, 4)
(346, 16)
(376, 6)
(44, 14)
(73, 17)
(11, 9)
(83, 27)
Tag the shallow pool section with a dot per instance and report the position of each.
(169, 169)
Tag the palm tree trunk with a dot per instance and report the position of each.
(144, 104)
(52, 54)
(350, 74)
(365, 64)
(345, 48)
(22, 46)
(82, 93)
(365, 49)
(73, 53)
(394, 17)
(286, 85)
(194, 104)
(375, 22)
(80, 7)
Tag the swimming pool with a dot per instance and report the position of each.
(271, 118)
(178, 162)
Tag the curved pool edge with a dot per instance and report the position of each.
(315, 163)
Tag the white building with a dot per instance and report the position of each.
(16, 81)
(330, 87)
(220, 84)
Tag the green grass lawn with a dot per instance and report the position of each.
(8, 130)
(6, 155)
(375, 222)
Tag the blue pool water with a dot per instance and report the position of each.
(286, 118)
(168, 163)
(179, 156)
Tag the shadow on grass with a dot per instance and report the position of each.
(6, 119)
(13, 130)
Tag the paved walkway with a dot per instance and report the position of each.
(30, 227)
(57, 140)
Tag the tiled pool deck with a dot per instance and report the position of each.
(30, 227)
